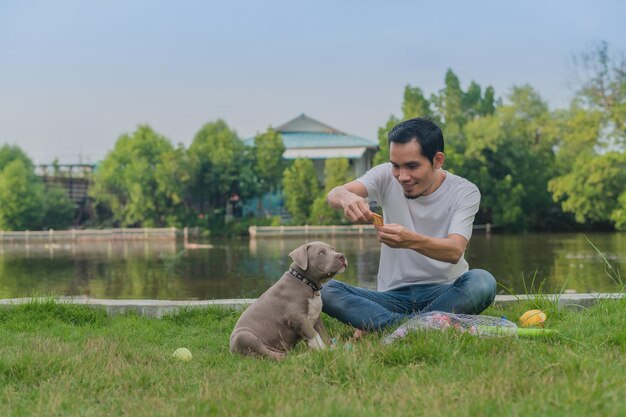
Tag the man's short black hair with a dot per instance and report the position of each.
(425, 132)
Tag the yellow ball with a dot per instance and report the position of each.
(532, 318)
(182, 354)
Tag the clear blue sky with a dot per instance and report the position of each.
(75, 75)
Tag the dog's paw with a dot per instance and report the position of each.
(316, 343)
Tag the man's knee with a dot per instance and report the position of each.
(483, 285)
(331, 287)
(331, 290)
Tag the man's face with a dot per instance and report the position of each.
(414, 172)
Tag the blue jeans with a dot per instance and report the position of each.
(471, 293)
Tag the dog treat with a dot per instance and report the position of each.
(378, 219)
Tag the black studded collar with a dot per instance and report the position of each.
(301, 277)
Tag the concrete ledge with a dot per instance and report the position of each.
(159, 308)
(564, 300)
(148, 308)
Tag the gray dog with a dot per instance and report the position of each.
(289, 310)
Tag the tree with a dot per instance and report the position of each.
(415, 104)
(173, 176)
(595, 189)
(449, 103)
(9, 153)
(300, 188)
(604, 89)
(268, 157)
(472, 100)
(382, 155)
(220, 166)
(59, 209)
(336, 172)
(591, 153)
(578, 132)
(26, 203)
(21, 195)
(488, 103)
(510, 157)
(140, 182)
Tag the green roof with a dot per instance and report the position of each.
(323, 140)
(305, 132)
(304, 123)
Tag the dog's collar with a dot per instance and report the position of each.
(301, 277)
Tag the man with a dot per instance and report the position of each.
(428, 214)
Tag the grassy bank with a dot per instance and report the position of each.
(74, 360)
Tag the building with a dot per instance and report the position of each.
(305, 137)
(75, 180)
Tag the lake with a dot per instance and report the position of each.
(245, 268)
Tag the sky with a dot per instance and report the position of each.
(75, 75)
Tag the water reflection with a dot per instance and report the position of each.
(245, 268)
(563, 261)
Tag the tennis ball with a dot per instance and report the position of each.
(532, 318)
(182, 354)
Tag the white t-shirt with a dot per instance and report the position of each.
(449, 209)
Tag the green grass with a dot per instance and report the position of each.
(66, 360)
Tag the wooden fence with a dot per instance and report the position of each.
(344, 230)
(168, 233)
(286, 231)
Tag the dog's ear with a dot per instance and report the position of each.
(300, 257)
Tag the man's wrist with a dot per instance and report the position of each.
(417, 242)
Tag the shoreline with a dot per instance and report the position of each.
(173, 233)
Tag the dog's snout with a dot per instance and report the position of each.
(341, 258)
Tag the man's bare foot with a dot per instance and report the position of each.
(358, 334)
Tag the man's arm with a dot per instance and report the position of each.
(448, 249)
(350, 198)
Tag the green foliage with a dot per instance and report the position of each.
(450, 102)
(268, 157)
(172, 176)
(301, 188)
(9, 153)
(618, 214)
(415, 104)
(577, 133)
(382, 155)
(142, 180)
(594, 189)
(220, 165)
(22, 195)
(509, 156)
(26, 204)
(145, 181)
(604, 89)
(508, 202)
(592, 149)
(488, 105)
(336, 172)
(471, 100)
(59, 209)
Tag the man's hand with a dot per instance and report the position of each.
(351, 199)
(396, 236)
(356, 209)
(449, 249)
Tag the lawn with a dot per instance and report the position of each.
(68, 360)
